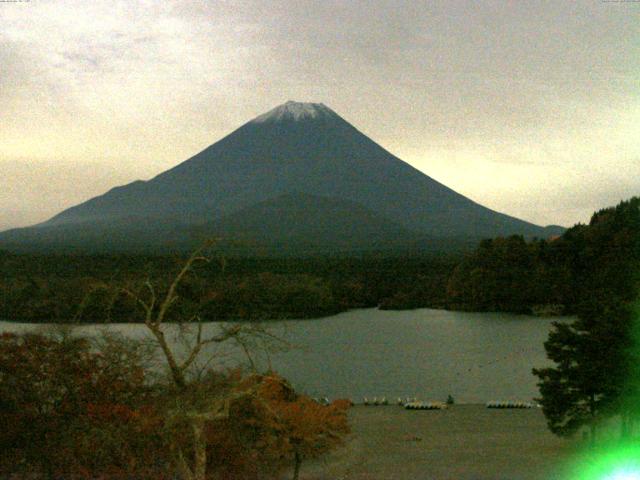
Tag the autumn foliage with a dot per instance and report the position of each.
(69, 410)
(287, 428)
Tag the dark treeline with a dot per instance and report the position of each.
(552, 276)
(596, 376)
(509, 274)
(93, 288)
(560, 275)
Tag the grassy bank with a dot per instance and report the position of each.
(465, 442)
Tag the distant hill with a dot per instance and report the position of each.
(299, 174)
(302, 223)
(303, 219)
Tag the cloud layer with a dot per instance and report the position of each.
(530, 108)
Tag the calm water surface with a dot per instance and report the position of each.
(422, 353)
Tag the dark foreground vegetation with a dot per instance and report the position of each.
(542, 276)
(74, 408)
(69, 410)
(596, 377)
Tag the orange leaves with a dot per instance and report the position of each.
(274, 388)
(313, 428)
(70, 409)
(342, 404)
(303, 426)
(91, 415)
(271, 427)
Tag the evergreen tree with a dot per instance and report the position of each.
(597, 372)
(590, 377)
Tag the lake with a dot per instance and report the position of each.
(424, 353)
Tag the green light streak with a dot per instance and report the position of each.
(618, 462)
(617, 459)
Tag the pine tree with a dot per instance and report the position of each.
(597, 372)
(590, 377)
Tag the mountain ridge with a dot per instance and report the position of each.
(295, 147)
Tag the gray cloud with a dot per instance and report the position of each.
(534, 98)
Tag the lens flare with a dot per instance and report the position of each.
(616, 462)
(623, 474)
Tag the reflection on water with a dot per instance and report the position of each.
(422, 353)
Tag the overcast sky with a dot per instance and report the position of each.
(530, 108)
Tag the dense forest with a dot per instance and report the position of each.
(94, 288)
(596, 374)
(559, 274)
(541, 276)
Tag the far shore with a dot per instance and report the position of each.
(540, 312)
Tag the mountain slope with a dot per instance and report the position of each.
(309, 223)
(297, 147)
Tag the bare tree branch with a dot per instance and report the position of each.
(147, 308)
(197, 414)
(171, 296)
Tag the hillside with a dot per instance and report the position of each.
(297, 148)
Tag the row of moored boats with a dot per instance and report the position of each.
(408, 403)
(415, 404)
(412, 403)
(498, 404)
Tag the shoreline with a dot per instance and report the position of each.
(290, 319)
(464, 442)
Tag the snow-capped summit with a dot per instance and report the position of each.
(297, 175)
(295, 111)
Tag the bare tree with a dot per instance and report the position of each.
(193, 406)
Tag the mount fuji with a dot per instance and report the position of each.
(297, 175)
